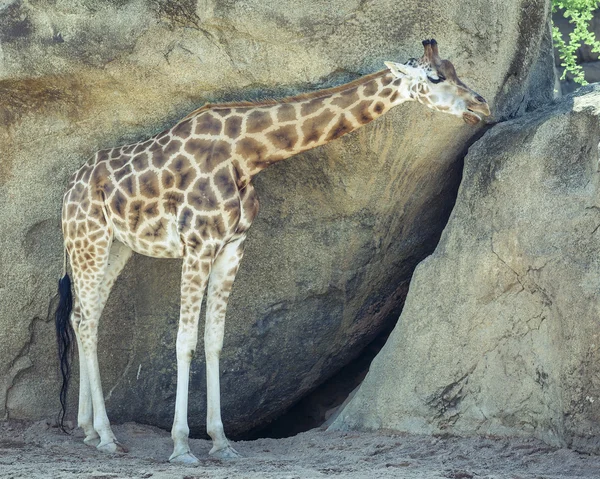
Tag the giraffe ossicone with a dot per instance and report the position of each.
(187, 193)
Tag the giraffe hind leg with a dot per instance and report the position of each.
(92, 296)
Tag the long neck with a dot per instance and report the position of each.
(274, 132)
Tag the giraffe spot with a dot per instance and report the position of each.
(118, 163)
(284, 138)
(140, 162)
(167, 179)
(142, 146)
(385, 92)
(397, 82)
(208, 153)
(286, 112)
(123, 172)
(258, 120)
(100, 179)
(128, 185)
(184, 173)
(151, 209)
(71, 210)
(154, 231)
(310, 107)
(162, 140)
(379, 107)
(115, 153)
(361, 112)
(183, 129)
(422, 89)
(118, 203)
(102, 155)
(157, 155)
(173, 147)
(253, 151)
(346, 98)
(233, 126)
(222, 111)
(135, 215)
(370, 88)
(387, 79)
(210, 227)
(313, 127)
(202, 196)
(224, 183)
(394, 96)
(149, 184)
(86, 175)
(127, 149)
(206, 124)
(95, 212)
(171, 201)
(185, 220)
(342, 127)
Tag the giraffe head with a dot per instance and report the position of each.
(433, 82)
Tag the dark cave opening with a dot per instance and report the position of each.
(317, 408)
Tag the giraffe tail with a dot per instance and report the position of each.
(64, 338)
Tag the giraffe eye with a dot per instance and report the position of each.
(440, 78)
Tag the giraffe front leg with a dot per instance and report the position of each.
(220, 284)
(193, 283)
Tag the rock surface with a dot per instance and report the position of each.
(499, 334)
(340, 230)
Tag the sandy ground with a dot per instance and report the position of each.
(36, 450)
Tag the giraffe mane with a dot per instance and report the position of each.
(290, 99)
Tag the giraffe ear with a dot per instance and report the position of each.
(401, 70)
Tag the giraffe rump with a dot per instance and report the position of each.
(64, 338)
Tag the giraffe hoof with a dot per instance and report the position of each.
(185, 458)
(112, 447)
(92, 441)
(227, 452)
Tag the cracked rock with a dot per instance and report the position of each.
(504, 316)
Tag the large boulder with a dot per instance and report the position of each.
(500, 331)
(341, 227)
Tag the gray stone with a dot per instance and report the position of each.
(499, 334)
(341, 227)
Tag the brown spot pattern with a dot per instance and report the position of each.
(313, 127)
(258, 120)
(284, 138)
(346, 98)
(233, 126)
(202, 196)
(361, 112)
(208, 125)
(149, 184)
(183, 129)
(342, 127)
(286, 112)
(310, 107)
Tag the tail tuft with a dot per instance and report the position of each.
(64, 338)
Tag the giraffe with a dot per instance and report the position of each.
(187, 193)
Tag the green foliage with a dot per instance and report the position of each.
(579, 13)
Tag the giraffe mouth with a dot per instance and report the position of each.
(470, 117)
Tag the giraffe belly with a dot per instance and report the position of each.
(158, 239)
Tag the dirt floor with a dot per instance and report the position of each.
(36, 450)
